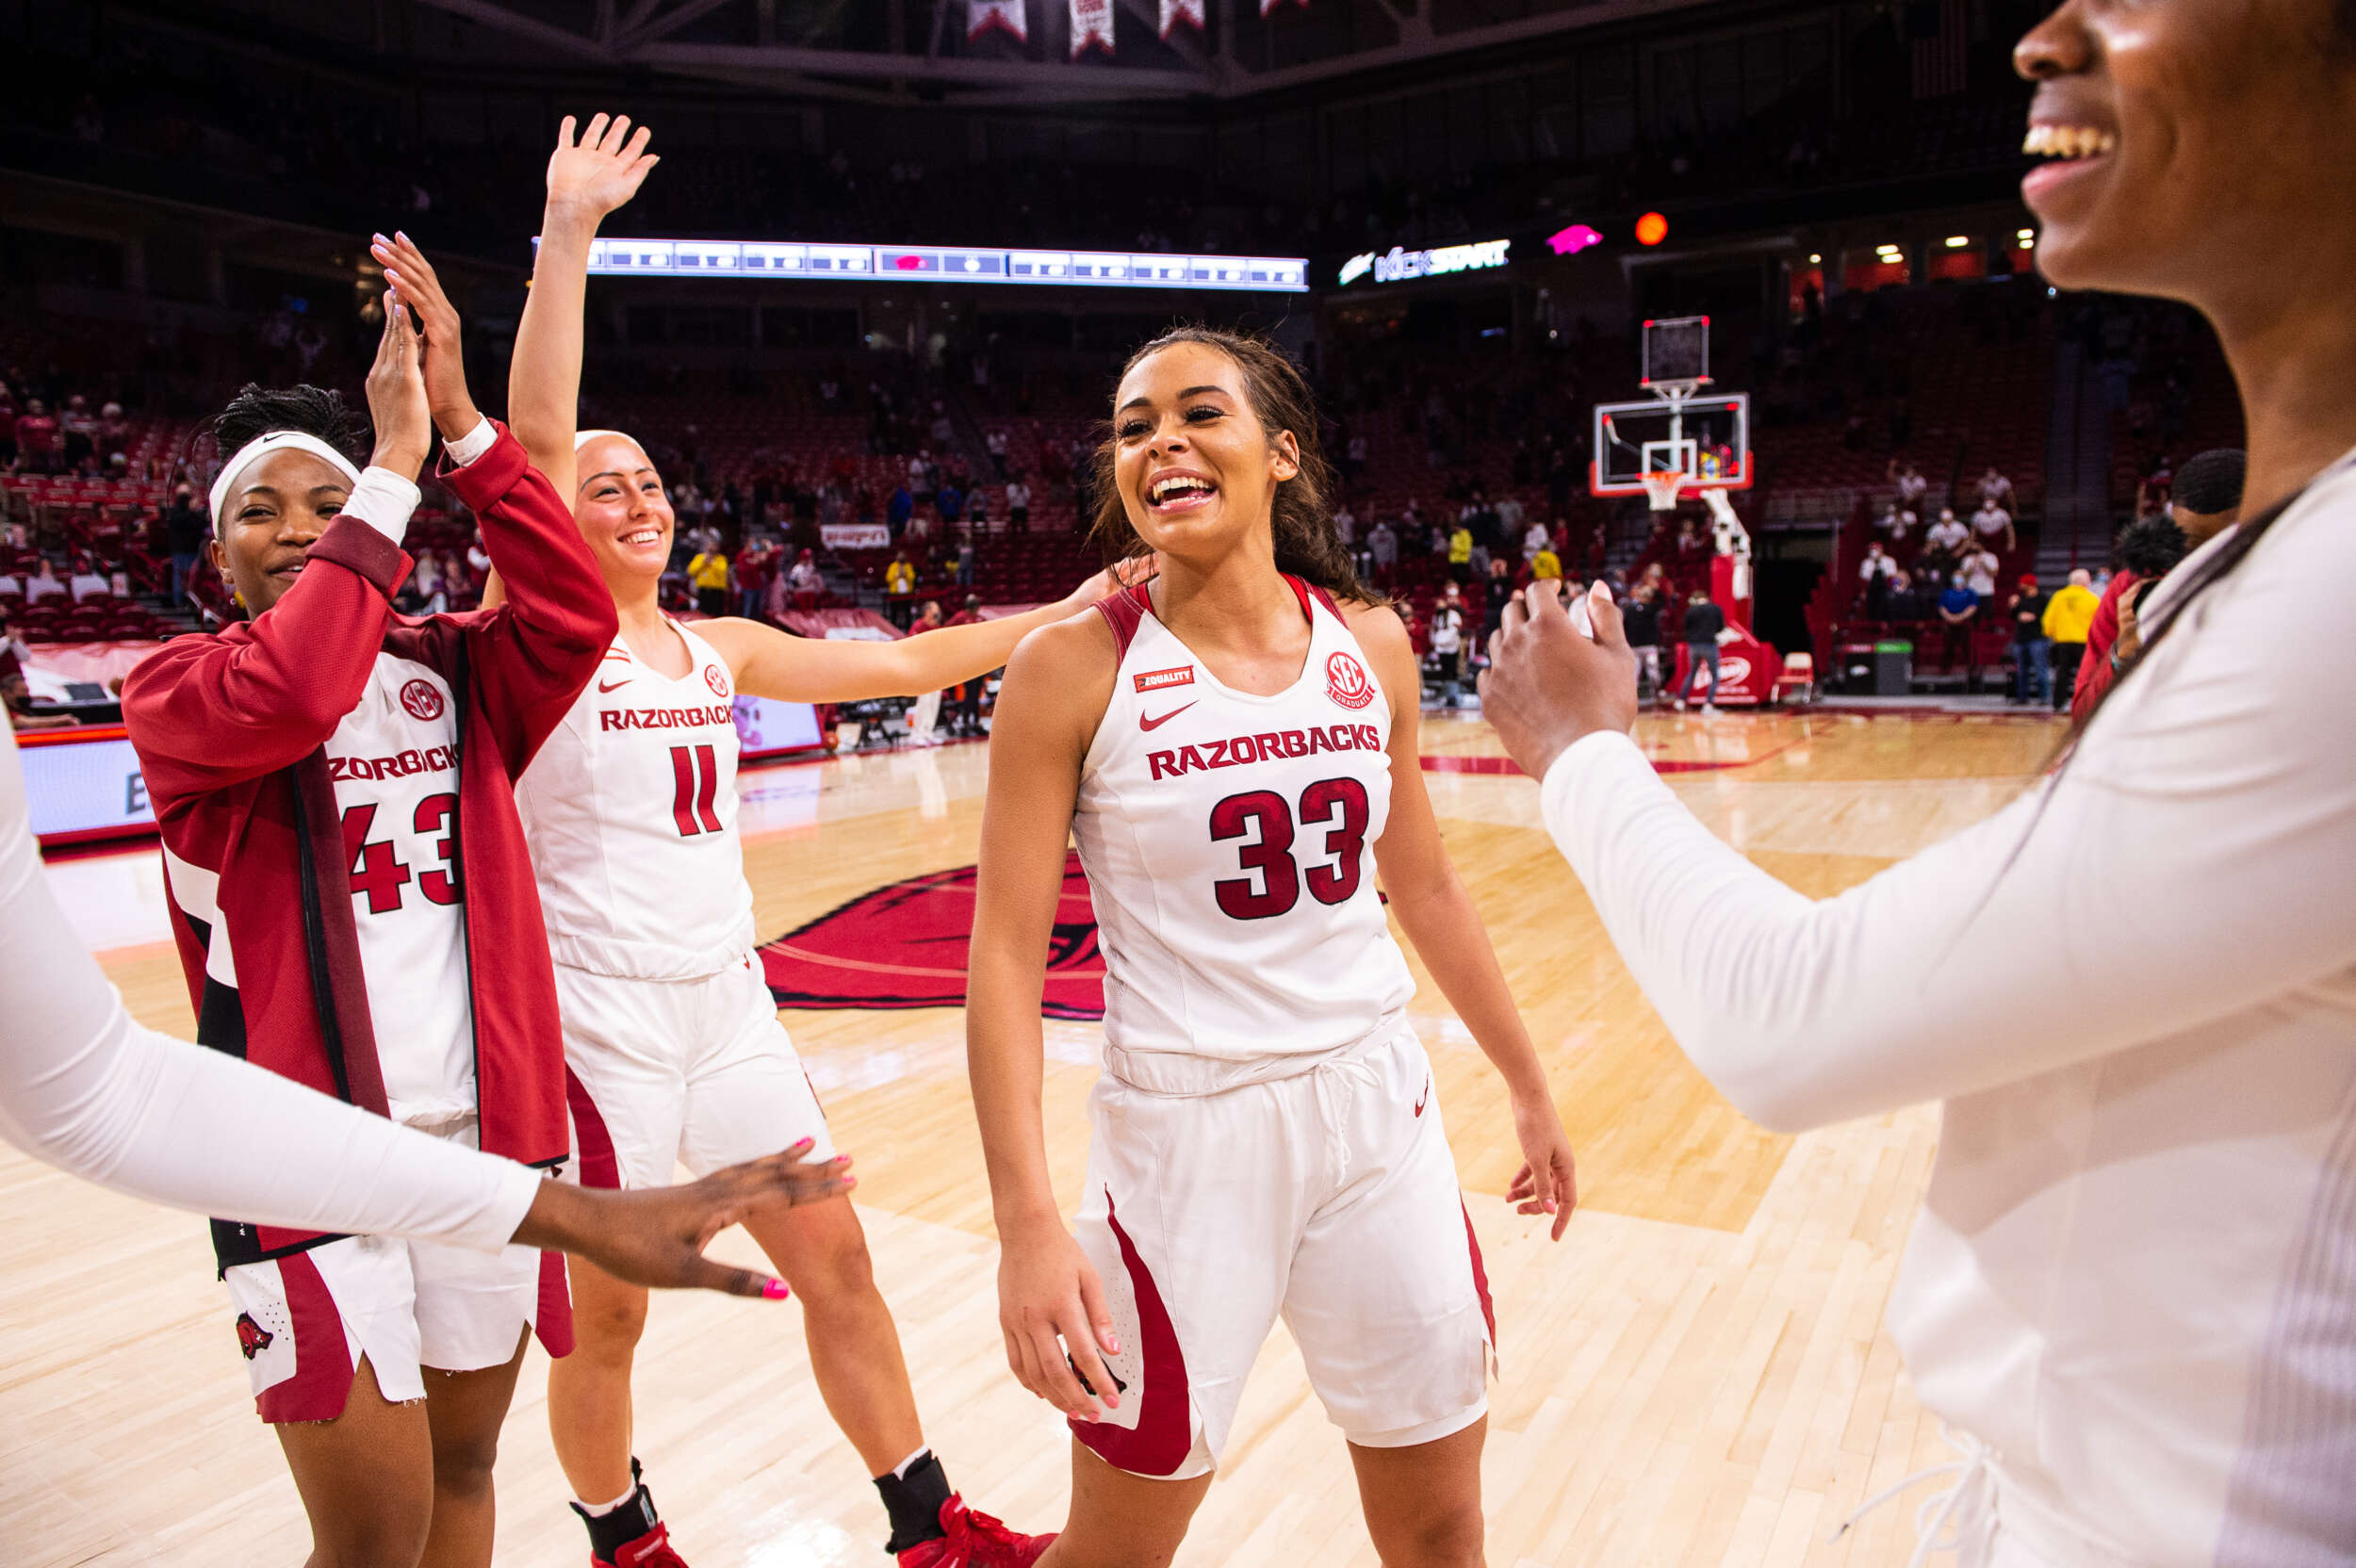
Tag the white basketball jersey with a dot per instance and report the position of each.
(631, 812)
(1228, 843)
(394, 763)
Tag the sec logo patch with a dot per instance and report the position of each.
(713, 678)
(422, 700)
(1346, 682)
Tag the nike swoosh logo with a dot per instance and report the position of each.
(606, 686)
(1150, 724)
(1425, 1099)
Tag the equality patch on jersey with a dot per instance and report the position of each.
(1155, 681)
(1346, 682)
(905, 945)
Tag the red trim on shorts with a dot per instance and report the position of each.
(323, 1369)
(552, 1323)
(598, 1168)
(1165, 1430)
(1480, 1276)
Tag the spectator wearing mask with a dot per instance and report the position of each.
(185, 533)
(1995, 489)
(925, 717)
(2032, 650)
(1979, 572)
(1383, 545)
(1874, 571)
(1460, 549)
(1345, 526)
(2066, 621)
(753, 564)
(1912, 486)
(1446, 632)
(1017, 506)
(1641, 615)
(1943, 547)
(1906, 600)
(1895, 523)
(1533, 540)
(899, 582)
(2206, 502)
(1704, 621)
(1993, 525)
(708, 574)
(1959, 615)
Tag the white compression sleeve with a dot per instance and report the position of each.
(2190, 863)
(85, 1088)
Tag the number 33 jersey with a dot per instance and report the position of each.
(1228, 841)
(631, 812)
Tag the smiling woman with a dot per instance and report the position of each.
(2132, 1288)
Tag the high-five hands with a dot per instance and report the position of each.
(1547, 685)
(603, 169)
(398, 410)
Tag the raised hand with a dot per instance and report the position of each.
(656, 1236)
(1548, 684)
(397, 402)
(408, 274)
(601, 171)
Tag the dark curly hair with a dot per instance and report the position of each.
(1301, 516)
(2149, 547)
(259, 411)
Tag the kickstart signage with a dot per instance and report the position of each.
(728, 258)
(1403, 266)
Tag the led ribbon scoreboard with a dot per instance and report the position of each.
(760, 258)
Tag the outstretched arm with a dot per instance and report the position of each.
(1436, 913)
(773, 663)
(587, 179)
(1046, 716)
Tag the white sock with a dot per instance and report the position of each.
(901, 1470)
(602, 1510)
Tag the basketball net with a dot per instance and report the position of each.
(1662, 488)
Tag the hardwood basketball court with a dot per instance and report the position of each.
(1696, 1375)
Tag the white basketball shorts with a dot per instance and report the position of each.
(1329, 1195)
(304, 1320)
(662, 1074)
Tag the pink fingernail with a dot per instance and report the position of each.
(1114, 1340)
(776, 1290)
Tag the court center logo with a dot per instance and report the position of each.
(422, 700)
(1346, 682)
(713, 678)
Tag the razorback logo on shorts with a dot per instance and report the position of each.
(252, 1337)
(1346, 682)
(904, 946)
(422, 700)
(1155, 681)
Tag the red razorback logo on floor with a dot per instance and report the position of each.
(1346, 682)
(905, 945)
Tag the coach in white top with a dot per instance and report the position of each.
(2132, 1290)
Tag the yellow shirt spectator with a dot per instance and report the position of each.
(2071, 613)
(709, 570)
(900, 578)
(1460, 548)
(1546, 563)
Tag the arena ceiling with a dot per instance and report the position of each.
(878, 48)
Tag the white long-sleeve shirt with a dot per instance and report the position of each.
(85, 1088)
(2134, 1278)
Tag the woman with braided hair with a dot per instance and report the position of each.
(2132, 1290)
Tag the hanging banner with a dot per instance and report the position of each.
(1175, 11)
(1091, 24)
(1005, 15)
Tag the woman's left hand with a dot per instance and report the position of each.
(1548, 1180)
(1548, 684)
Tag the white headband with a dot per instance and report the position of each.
(261, 446)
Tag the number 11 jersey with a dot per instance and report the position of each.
(631, 812)
(1228, 841)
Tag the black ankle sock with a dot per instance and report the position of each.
(609, 1532)
(913, 1501)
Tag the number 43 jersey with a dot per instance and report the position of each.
(1228, 841)
(631, 812)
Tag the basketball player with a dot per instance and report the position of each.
(321, 774)
(1234, 747)
(2130, 1294)
(672, 1038)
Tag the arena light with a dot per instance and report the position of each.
(1815, 259)
(1403, 266)
(757, 258)
(1652, 229)
(1958, 241)
(2026, 233)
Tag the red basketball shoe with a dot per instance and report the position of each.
(976, 1541)
(650, 1550)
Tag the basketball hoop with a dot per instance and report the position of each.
(1661, 487)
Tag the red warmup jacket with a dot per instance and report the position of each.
(229, 731)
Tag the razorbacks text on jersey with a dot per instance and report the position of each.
(631, 812)
(1228, 841)
(394, 763)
